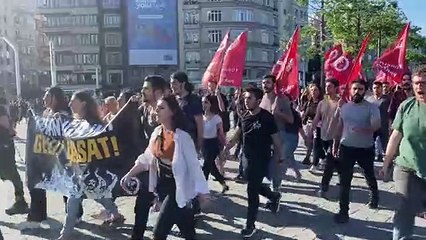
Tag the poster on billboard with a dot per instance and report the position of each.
(152, 32)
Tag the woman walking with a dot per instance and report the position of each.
(85, 108)
(214, 138)
(174, 171)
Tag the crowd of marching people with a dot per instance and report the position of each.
(168, 128)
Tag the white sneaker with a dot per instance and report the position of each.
(313, 169)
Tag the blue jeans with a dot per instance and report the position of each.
(410, 194)
(290, 146)
(73, 207)
(276, 171)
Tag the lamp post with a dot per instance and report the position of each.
(17, 66)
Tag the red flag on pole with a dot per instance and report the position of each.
(356, 70)
(212, 72)
(233, 66)
(392, 65)
(288, 74)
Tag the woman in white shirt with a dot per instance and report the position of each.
(214, 138)
(174, 171)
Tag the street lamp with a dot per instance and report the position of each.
(17, 66)
(52, 59)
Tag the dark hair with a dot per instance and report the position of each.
(183, 78)
(359, 81)
(157, 82)
(258, 93)
(378, 83)
(178, 119)
(272, 77)
(91, 113)
(214, 104)
(333, 81)
(127, 93)
(61, 101)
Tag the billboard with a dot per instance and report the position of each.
(152, 32)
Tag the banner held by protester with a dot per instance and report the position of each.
(74, 158)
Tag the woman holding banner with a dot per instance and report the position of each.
(85, 108)
(174, 171)
(56, 105)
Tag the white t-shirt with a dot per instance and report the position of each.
(210, 126)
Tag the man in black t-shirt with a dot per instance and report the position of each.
(191, 106)
(259, 133)
(8, 170)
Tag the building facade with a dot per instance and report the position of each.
(91, 37)
(17, 26)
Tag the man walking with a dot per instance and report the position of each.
(259, 133)
(358, 121)
(8, 170)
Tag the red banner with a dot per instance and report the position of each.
(288, 74)
(330, 57)
(212, 72)
(392, 65)
(234, 61)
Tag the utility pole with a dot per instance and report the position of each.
(17, 66)
(53, 81)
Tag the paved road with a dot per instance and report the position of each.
(303, 215)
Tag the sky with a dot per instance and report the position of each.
(414, 10)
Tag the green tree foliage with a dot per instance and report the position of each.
(349, 21)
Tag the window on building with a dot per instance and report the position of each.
(215, 0)
(192, 17)
(87, 59)
(194, 75)
(113, 58)
(264, 18)
(265, 37)
(235, 32)
(192, 36)
(112, 20)
(87, 39)
(192, 57)
(113, 39)
(274, 21)
(115, 77)
(249, 55)
(264, 56)
(215, 36)
(111, 3)
(268, 3)
(243, 15)
(214, 16)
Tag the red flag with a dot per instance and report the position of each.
(234, 61)
(288, 74)
(356, 71)
(330, 57)
(392, 65)
(212, 72)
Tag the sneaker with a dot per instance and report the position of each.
(341, 218)
(20, 207)
(275, 205)
(313, 169)
(248, 232)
